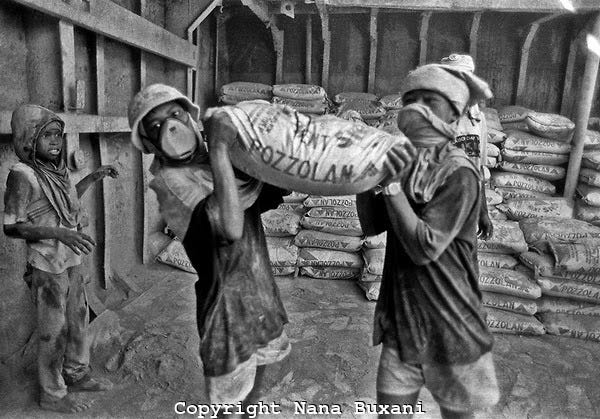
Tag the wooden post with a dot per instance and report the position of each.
(373, 35)
(569, 70)
(584, 106)
(326, 35)
(278, 46)
(425, 18)
(473, 35)
(308, 60)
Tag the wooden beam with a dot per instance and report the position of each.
(424, 28)
(308, 59)
(278, 41)
(569, 70)
(261, 9)
(113, 21)
(69, 84)
(473, 35)
(326, 35)
(202, 17)
(78, 123)
(584, 106)
(373, 36)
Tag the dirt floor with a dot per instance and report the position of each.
(151, 358)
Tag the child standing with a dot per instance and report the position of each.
(41, 206)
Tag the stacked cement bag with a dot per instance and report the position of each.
(373, 253)
(330, 239)
(508, 289)
(566, 265)
(239, 91)
(305, 98)
(365, 104)
(588, 188)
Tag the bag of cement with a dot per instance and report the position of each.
(333, 212)
(518, 180)
(590, 177)
(295, 197)
(366, 108)
(346, 96)
(308, 256)
(247, 90)
(280, 223)
(389, 122)
(558, 230)
(500, 321)
(525, 141)
(517, 193)
(493, 150)
(509, 303)
(517, 125)
(491, 162)
(495, 136)
(512, 113)
(578, 326)
(374, 260)
(558, 287)
(299, 91)
(491, 118)
(283, 270)
(486, 174)
(541, 171)
(591, 140)
(509, 282)
(323, 155)
(550, 125)
(349, 227)
(519, 208)
(534, 157)
(492, 197)
(544, 265)
(587, 213)
(496, 260)
(591, 160)
(391, 101)
(366, 276)
(310, 238)
(291, 207)
(574, 257)
(562, 305)
(371, 289)
(330, 272)
(589, 194)
(282, 251)
(317, 107)
(507, 238)
(376, 242)
(331, 201)
(232, 100)
(495, 214)
(174, 255)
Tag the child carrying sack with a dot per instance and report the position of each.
(318, 155)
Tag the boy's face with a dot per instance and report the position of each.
(49, 143)
(438, 104)
(153, 121)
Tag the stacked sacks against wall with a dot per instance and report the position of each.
(373, 253)
(566, 265)
(588, 189)
(365, 104)
(330, 239)
(239, 91)
(305, 98)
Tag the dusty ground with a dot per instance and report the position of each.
(151, 358)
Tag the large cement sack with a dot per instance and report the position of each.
(496, 260)
(366, 276)
(311, 238)
(283, 270)
(518, 180)
(371, 289)
(591, 140)
(320, 155)
(299, 91)
(247, 90)
(542, 171)
(550, 125)
(576, 257)
(374, 260)
(573, 290)
(491, 118)
(291, 207)
(509, 282)
(495, 136)
(534, 157)
(492, 197)
(507, 238)
(349, 227)
(376, 242)
(330, 272)
(512, 113)
(391, 101)
(308, 256)
(517, 193)
(544, 265)
(525, 141)
(491, 162)
(295, 197)
(367, 109)
(492, 150)
(587, 213)
(589, 194)
(519, 208)
(557, 230)
(590, 177)
(509, 303)
(282, 251)
(562, 305)
(233, 100)
(572, 325)
(333, 212)
(591, 160)
(317, 107)
(280, 223)
(495, 214)
(175, 255)
(346, 96)
(501, 321)
(331, 201)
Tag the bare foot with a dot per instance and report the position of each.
(89, 383)
(66, 405)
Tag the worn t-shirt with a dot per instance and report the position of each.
(471, 135)
(238, 305)
(429, 304)
(25, 202)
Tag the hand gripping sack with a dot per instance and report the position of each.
(317, 155)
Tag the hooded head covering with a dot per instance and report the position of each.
(460, 61)
(27, 123)
(149, 98)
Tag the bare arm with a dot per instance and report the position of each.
(99, 174)
(76, 241)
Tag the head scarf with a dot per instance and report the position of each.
(28, 122)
